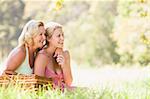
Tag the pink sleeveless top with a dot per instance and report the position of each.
(58, 80)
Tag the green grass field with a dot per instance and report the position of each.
(102, 83)
(137, 90)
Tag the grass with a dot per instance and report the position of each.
(137, 90)
(103, 83)
(16, 92)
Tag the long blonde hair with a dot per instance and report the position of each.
(30, 30)
(51, 27)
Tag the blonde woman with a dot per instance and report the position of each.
(21, 58)
(49, 64)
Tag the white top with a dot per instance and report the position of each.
(25, 68)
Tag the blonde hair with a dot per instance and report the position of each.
(30, 30)
(51, 27)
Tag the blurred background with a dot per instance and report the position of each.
(98, 33)
(109, 40)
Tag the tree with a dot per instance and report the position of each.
(131, 29)
(89, 33)
(11, 16)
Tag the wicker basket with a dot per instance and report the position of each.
(32, 82)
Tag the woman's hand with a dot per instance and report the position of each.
(58, 51)
(60, 60)
(59, 56)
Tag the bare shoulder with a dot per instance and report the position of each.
(41, 57)
(15, 58)
(18, 52)
(42, 54)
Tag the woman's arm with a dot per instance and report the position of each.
(40, 64)
(15, 59)
(67, 69)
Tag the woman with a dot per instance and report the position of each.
(49, 64)
(21, 58)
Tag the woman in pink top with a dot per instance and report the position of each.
(51, 65)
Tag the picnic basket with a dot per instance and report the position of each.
(31, 82)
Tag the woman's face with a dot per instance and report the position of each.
(40, 38)
(57, 38)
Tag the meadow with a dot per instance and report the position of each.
(93, 83)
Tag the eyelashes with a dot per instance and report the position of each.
(60, 35)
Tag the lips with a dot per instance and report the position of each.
(61, 43)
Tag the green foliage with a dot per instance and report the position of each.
(126, 58)
(97, 32)
(145, 37)
(124, 7)
(131, 31)
(88, 35)
(11, 16)
(144, 58)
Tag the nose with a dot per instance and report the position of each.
(62, 38)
